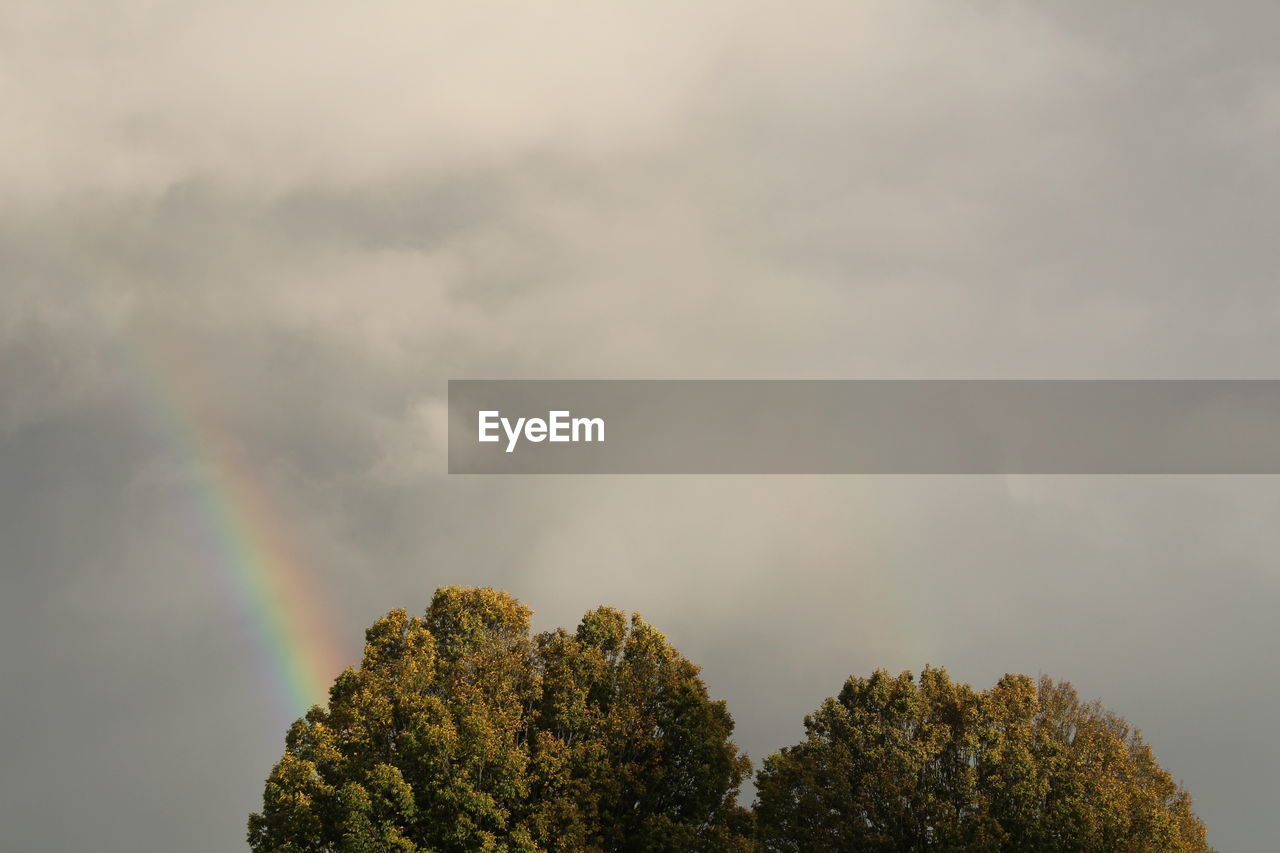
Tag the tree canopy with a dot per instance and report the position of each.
(461, 731)
(892, 764)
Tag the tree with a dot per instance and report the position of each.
(895, 765)
(462, 732)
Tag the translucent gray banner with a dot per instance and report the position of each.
(864, 427)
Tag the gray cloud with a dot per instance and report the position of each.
(309, 218)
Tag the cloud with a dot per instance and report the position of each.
(298, 221)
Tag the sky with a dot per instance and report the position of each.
(267, 233)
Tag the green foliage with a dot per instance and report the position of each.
(895, 765)
(462, 732)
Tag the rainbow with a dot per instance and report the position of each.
(264, 569)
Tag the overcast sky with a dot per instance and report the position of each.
(310, 215)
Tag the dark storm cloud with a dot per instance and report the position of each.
(309, 219)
